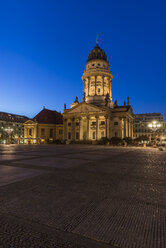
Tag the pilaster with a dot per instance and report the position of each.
(88, 85)
(95, 85)
(73, 129)
(80, 128)
(87, 127)
(103, 84)
(97, 127)
(65, 129)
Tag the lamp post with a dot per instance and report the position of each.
(9, 131)
(154, 127)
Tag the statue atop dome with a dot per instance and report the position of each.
(97, 53)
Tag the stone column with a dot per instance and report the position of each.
(111, 89)
(25, 132)
(83, 86)
(97, 127)
(73, 129)
(37, 132)
(106, 126)
(103, 84)
(34, 134)
(95, 84)
(109, 85)
(87, 137)
(88, 85)
(65, 129)
(132, 129)
(128, 128)
(80, 128)
(124, 127)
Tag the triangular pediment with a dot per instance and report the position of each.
(130, 111)
(85, 108)
(29, 122)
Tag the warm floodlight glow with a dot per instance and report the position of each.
(154, 125)
(9, 130)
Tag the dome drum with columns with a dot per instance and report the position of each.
(97, 79)
(97, 116)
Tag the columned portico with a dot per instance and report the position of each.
(97, 116)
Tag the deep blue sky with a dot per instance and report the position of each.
(44, 46)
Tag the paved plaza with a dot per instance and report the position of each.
(75, 196)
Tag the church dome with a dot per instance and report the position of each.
(97, 53)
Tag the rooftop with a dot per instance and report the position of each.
(48, 116)
(12, 117)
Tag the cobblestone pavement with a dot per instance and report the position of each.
(75, 196)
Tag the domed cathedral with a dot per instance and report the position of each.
(96, 116)
(97, 79)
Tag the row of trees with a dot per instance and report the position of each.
(104, 141)
(119, 141)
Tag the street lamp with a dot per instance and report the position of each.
(154, 126)
(9, 131)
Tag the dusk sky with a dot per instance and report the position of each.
(44, 46)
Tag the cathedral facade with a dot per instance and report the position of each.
(97, 116)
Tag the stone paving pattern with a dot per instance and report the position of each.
(73, 196)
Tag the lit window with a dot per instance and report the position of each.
(42, 132)
(77, 135)
(51, 133)
(60, 131)
(69, 135)
(102, 134)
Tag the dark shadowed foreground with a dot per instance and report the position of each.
(82, 196)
